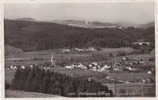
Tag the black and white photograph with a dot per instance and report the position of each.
(76, 50)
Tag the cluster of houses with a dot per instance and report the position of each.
(117, 65)
(94, 66)
(140, 43)
(12, 67)
(90, 49)
(31, 66)
(125, 64)
(15, 67)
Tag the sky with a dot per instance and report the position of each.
(138, 13)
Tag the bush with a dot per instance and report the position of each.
(7, 86)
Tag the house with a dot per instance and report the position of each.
(66, 50)
(81, 66)
(124, 58)
(79, 50)
(69, 67)
(141, 43)
(91, 49)
(104, 68)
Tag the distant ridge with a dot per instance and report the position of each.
(87, 24)
(151, 24)
(25, 19)
(91, 24)
(98, 24)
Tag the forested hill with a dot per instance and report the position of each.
(31, 35)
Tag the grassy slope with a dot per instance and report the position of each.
(10, 50)
(9, 76)
(24, 94)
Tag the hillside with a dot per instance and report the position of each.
(24, 94)
(30, 35)
(9, 50)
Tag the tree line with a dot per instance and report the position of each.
(50, 82)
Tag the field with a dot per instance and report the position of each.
(24, 94)
(40, 57)
(129, 76)
(9, 76)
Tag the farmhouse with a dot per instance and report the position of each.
(66, 50)
(141, 43)
(91, 49)
(79, 50)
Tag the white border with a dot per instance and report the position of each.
(71, 1)
(2, 50)
(74, 1)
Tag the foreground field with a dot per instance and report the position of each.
(129, 76)
(9, 76)
(24, 94)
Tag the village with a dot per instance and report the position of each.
(139, 69)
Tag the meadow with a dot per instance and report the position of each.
(61, 58)
(22, 94)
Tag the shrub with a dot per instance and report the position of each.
(7, 86)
